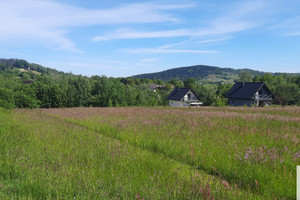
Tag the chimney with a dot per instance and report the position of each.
(243, 84)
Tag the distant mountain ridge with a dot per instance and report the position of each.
(203, 73)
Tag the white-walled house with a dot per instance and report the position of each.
(182, 97)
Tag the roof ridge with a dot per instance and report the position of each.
(243, 89)
(179, 93)
(249, 82)
(235, 89)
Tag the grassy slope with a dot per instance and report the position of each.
(149, 153)
(46, 158)
(252, 149)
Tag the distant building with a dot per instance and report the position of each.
(154, 87)
(27, 68)
(249, 94)
(27, 82)
(183, 97)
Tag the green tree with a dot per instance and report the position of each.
(176, 83)
(78, 92)
(6, 98)
(190, 83)
(109, 104)
(50, 96)
(245, 76)
(220, 101)
(287, 94)
(25, 101)
(223, 89)
(25, 76)
(206, 93)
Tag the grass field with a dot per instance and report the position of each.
(149, 153)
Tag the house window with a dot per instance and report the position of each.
(189, 96)
(260, 92)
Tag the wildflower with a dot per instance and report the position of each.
(296, 156)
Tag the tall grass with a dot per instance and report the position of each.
(256, 153)
(46, 157)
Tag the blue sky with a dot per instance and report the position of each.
(123, 38)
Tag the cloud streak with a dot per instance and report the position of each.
(236, 19)
(164, 50)
(217, 29)
(51, 23)
(48, 21)
(289, 27)
(293, 34)
(171, 51)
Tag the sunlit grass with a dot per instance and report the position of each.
(46, 158)
(257, 153)
(150, 153)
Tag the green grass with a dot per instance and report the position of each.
(150, 153)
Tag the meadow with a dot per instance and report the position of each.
(149, 153)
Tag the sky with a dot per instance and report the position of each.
(118, 38)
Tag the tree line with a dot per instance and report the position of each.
(76, 91)
(285, 87)
(48, 88)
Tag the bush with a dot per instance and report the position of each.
(6, 98)
(24, 101)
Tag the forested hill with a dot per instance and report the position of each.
(199, 72)
(24, 66)
(26, 85)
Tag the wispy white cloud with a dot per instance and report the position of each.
(284, 17)
(48, 21)
(236, 19)
(218, 28)
(161, 50)
(289, 27)
(178, 44)
(293, 34)
(213, 40)
(132, 34)
(187, 46)
(149, 60)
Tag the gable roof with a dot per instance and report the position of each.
(245, 90)
(178, 93)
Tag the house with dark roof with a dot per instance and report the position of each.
(183, 97)
(249, 94)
